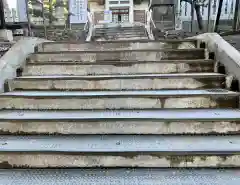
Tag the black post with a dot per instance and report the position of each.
(192, 14)
(68, 16)
(218, 15)
(235, 19)
(2, 17)
(199, 16)
(209, 15)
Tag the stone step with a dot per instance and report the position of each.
(120, 176)
(119, 55)
(120, 35)
(118, 82)
(141, 99)
(120, 32)
(120, 29)
(120, 151)
(111, 32)
(120, 38)
(103, 45)
(117, 67)
(162, 121)
(97, 31)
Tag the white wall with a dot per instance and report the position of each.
(142, 6)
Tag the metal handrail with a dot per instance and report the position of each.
(90, 25)
(149, 23)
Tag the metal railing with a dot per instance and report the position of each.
(89, 26)
(149, 24)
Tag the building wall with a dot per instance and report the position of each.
(139, 12)
(98, 11)
(185, 10)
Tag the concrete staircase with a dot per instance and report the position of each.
(120, 32)
(4, 47)
(122, 112)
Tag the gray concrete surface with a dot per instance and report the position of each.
(125, 67)
(224, 52)
(120, 151)
(169, 121)
(118, 100)
(127, 44)
(234, 40)
(121, 82)
(123, 176)
(200, 151)
(123, 55)
(16, 57)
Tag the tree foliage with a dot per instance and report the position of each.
(49, 7)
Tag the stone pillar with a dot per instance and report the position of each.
(6, 35)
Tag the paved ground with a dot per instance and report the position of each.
(234, 40)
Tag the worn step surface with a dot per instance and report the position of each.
(123, 176)
(171, 111)
(114, 67)
(119, 82)
(123, 29)
(120, 28)
(120, 33)
(120, 38)
(122, 55)
(120, 151)
(117, 45)
(141, 99)
(163, 121)
(125, 33)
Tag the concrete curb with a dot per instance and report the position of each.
(16, 57)
(224, 52)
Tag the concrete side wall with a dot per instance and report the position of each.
(225, 53)
(16, 57)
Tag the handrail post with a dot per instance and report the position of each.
(90, 21)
